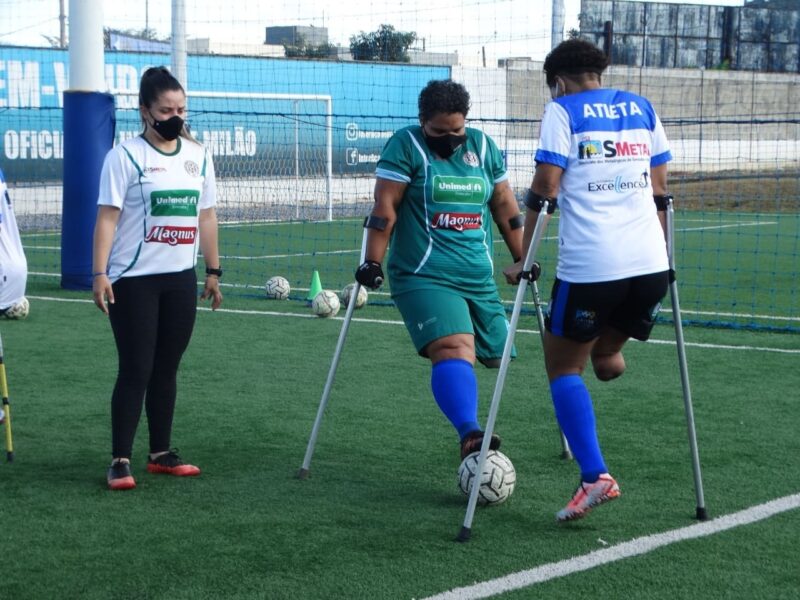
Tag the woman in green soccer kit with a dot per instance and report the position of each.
(439, 186)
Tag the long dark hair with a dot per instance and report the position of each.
(155, 81)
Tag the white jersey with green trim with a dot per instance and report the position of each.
(160, 197)
(13, 265)
(443, 233)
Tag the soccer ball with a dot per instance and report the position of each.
(361, 299)
(325, 304)
(18, 310)
(278, 288)
(497, 481)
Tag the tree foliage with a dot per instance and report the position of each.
(149, 35)
(386, 44)
(301, 49)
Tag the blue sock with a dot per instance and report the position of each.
(576, 417)
(455, 389)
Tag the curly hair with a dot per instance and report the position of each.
(443, 96)
(574, 57)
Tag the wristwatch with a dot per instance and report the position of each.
(217, 272)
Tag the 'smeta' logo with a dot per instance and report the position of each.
(456, 221)
(601, 149)
(168, 234)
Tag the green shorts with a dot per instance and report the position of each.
(430, 314)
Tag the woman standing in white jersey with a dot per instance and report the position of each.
(603, 157)
(155, 208)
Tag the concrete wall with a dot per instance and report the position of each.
(716, 120)
(693, 35)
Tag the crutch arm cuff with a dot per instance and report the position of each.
(516, 222)
(662, 201)
(536, 202)
(373, 222)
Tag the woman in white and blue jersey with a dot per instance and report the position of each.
(602, 158)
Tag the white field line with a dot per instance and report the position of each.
(632, 548)
(750, 224)
(270, 313)
(684, 311)
(355, 251)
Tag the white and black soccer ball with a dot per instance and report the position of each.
(361, 299)
(278, 288)
(18, 310)
(497, 480)
(325, 304)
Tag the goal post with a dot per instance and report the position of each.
(295, 99)
(272, 150)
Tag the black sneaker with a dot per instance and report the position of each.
(472, 443)
(119, 476)
(171, 464)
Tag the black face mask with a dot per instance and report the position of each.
(168, 129)
(445, 145)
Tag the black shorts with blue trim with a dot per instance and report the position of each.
(581, 311)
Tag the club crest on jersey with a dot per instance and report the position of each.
(169, 234)
(192, 168)
(456, 221)
(471, 158)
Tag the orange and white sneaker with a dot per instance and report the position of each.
(171, 464)
(589, 495)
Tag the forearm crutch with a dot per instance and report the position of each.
(538, 231)
(566, 453)
(326, 392)
(6, 407)
(665, 203)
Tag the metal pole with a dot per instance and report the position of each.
(296, 104)
(329, 166)
(687, 394)
(179, 42)
(86, 58)
(466, 528)
(557, 23)
(62, 25)
(326, 392)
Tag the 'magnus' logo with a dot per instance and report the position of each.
(456, 221)
(169, 234)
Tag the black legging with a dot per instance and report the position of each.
(152, 319)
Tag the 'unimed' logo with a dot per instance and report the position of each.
(168, 234)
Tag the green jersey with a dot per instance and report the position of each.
(443, 233)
